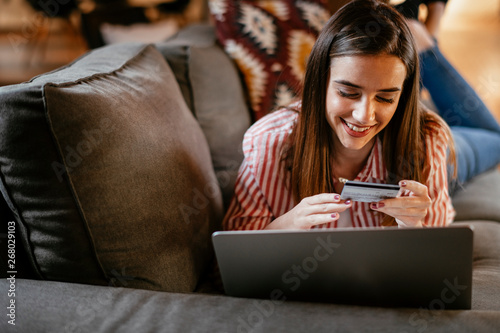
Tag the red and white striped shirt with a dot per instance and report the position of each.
(261, 194)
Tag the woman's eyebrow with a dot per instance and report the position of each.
(350, 84)
(347, 83)
(395, 89)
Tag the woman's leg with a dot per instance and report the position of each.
(475, 131)
(454, 98)
(477, 151)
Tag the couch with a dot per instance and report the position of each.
(116, 169)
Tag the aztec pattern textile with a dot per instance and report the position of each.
(269, 41)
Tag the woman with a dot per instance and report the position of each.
(359, 119)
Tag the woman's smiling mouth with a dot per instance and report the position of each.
(354, 130)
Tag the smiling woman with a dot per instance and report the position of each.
(359, 119)
(362, 96)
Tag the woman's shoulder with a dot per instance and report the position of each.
(279, 121)
(265, 139)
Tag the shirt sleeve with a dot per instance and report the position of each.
(260, 193)
(441, 212)
(248, 209)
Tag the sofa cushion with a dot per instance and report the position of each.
(270, 42)
(108, 173)
(213, 90)
(485, 264)
(80, 308)
(479, 198)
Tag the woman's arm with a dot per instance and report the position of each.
(259, 193)
(262, 196)
(259, 188)
(248, 209)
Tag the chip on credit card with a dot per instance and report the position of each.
(368, 192)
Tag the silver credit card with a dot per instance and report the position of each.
(368, 192)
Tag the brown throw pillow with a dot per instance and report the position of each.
(108, 173)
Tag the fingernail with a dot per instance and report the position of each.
(334, 215)
(380, 205)
(373, 206)
(403, 183)
(337, 197)
(347, 202)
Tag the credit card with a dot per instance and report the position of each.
(368, 192)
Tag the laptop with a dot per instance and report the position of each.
(413, 267)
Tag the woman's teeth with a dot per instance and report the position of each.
(355, 128)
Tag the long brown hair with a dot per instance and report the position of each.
(362, 27)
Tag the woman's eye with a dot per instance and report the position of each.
(348, 95)
(385, 100)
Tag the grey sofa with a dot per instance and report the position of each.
(116, 169)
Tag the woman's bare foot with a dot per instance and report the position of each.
(423, 38)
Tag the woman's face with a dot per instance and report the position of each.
(362, 95)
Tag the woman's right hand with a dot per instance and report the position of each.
(311, 211)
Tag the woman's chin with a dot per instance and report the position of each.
(356, 143)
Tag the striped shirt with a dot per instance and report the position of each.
(261, 193)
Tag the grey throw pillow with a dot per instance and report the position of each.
(212, 88)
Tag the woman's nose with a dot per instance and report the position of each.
(364, 112)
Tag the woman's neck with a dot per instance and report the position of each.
(348, 163)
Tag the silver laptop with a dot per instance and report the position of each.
(415, 267)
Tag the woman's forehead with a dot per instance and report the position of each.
(385, 70)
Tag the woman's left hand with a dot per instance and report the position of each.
(410, 206)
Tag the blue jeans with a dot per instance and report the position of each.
(475, 131)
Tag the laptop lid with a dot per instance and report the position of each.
(411, 267)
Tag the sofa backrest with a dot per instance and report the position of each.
(213, 90)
